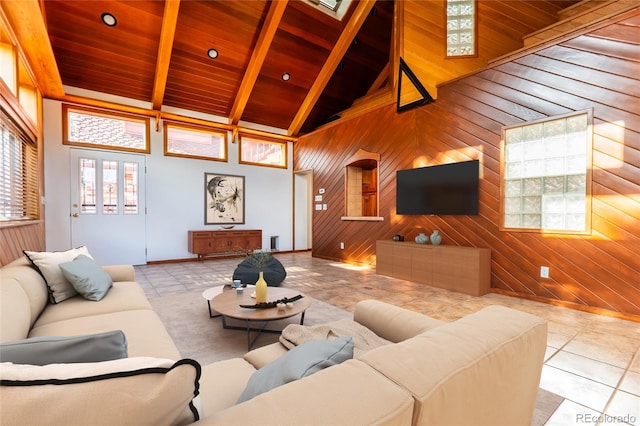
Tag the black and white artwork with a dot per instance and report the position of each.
(224, 199)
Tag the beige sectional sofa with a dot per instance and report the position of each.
(482, 369)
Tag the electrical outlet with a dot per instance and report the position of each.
(341, 245)
(544, 272)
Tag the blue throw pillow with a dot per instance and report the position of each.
(87, 277)
(45, 350)
(301, 361)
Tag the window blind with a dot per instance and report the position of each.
(18, 173)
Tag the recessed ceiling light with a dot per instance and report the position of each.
(109, 20)
(285, 76)
(212, 53)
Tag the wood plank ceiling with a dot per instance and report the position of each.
(157, 52)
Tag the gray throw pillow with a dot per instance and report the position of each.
(87, 277)
(45, 350)
(299, 362)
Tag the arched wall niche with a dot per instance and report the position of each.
(361, 177)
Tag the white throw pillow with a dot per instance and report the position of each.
(129, 391)
(47, 263)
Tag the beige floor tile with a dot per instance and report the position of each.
(570, 413)
(588, 368)
(612, 349)
(624, 408)
(591, 394)
(631, 383)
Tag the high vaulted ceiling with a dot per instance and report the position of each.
(157, 53)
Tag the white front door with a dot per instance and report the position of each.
(108, 205)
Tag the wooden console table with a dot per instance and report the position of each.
(462, 269)
(207, 243)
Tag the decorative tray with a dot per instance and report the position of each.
(268, 305)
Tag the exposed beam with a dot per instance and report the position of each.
(27, 22)
(169, 22)
(346, 38)
(381, 79)
(274, 15)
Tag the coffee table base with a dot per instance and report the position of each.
(259, 330)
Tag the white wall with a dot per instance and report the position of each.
(174, 194)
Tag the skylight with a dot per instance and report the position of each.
(334, 8)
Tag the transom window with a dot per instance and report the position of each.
(263, 152)
(195, 142)
(461, 28)
(546, 175)
(99, 129)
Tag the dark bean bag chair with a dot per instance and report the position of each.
(273, 272)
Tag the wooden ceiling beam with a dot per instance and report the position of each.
(272, 21)
(27, 22)
(167, 34)
(381, 80)
(361, 13)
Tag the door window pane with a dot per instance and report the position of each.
(130, 188)
(88, 186)
(109, 187)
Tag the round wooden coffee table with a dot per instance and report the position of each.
(227, 304)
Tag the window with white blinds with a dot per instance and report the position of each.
(18, 174)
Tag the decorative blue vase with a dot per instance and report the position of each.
(422, 238)
(436, 238)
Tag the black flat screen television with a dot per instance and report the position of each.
(447, 189)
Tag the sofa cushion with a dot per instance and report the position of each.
(263, 355)
(464, 372)
(342, 395)
(391, 322)
(146, 335)
(24, 305)
(87, 277)
(129, 391)
(123, 296)
(299, 362)
(47, 263)
(222, 382)
(66, 349)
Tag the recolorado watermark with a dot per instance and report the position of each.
(605, 419)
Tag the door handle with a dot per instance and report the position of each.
(75, 215)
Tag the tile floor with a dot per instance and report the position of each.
(592, 361)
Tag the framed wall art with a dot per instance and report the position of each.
(223, 199)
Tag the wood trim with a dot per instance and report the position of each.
(564, 304)
(348, 34)
(169, 22)
(79, 100)
(203, 129)
(274, 15)
(108, 114)
(27, 21)
(567, 36)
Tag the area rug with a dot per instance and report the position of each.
(186, 318)
(199, 337)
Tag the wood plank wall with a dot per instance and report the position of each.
(501, 26)
(17, 238)
(596, 70)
